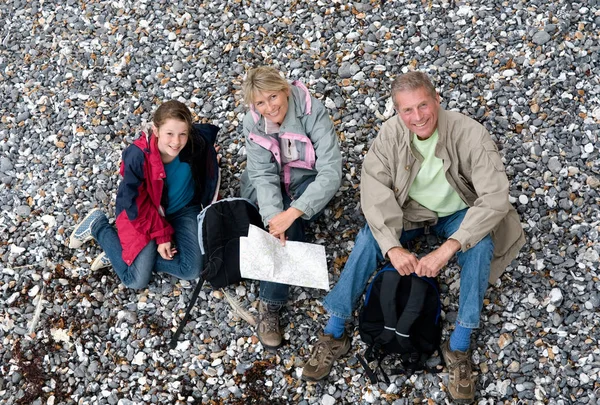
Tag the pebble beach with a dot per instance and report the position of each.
(79, 77)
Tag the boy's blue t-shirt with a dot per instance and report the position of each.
(180, 185)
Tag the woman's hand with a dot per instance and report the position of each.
(282, 221)
(166, 251)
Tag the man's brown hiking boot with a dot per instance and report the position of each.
(267, 327)
(461, 385)
(324, 353)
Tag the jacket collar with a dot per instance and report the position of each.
(442, 126)
(147, 142)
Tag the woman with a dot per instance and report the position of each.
(169, 173)
(294, 168)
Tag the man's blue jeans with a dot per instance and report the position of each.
(186, 264)
(366, 255)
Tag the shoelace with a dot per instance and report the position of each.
(321, 347)
(270, 320)
(463, 367)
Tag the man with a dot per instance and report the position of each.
(428, 170)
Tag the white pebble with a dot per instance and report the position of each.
(49, 220)
(183, 346)
(34, 290)
(139, 359)
(359, 76)
(468, 77)
(584, 378)
(16, 250)
(556, 296)
(327, 400)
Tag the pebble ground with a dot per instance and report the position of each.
(78, 78)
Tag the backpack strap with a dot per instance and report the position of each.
(185, 319)
(370, 373)
(372, 376)
(414, 306)
(387, 300)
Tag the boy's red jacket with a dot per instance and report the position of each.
(141, 205)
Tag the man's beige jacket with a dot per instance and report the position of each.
(473, 168)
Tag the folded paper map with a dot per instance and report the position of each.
(297, 263)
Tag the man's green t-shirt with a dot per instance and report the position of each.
(430, 188)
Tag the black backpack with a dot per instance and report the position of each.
(400, 315)
(220, 226)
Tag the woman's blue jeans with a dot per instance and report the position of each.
(366, 255)
(276, 293)
(186, 264)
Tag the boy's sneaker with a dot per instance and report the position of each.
(327, 350)
(83, 231)
(100, 262)
(460, 384)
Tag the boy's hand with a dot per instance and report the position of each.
(166, 251)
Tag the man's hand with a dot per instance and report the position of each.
(402, 260)
(165, 251)
(282, 221)
(430, 265)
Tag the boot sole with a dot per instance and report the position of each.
(74, 242)
(269, 347)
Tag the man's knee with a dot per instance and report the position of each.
(365, 236)
(483, 250)
(485, 245)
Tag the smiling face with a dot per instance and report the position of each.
(418, 109)
(273, 105)
(172, 136)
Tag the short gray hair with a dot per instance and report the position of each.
(412, 81)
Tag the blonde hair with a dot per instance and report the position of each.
(263, 78)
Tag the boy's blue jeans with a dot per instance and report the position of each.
(186, 264)
(366, 255)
